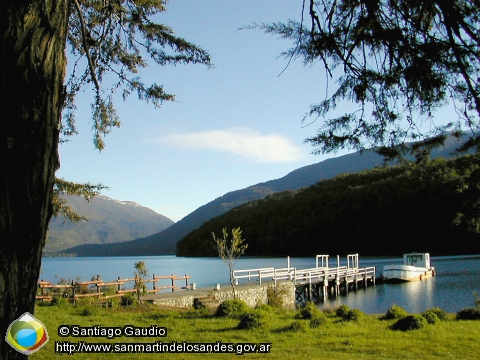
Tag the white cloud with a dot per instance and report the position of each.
(243, 142)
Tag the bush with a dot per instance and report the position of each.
(354, 315)
(129, 299)
(275, 296)
(442, 315)
(310, 311)
(317, 322)
(468, 314)
(231, 308)
(296, 326)
(342, 310)
(395, 312)
(250, 321)
(410, 322)
(430, 316)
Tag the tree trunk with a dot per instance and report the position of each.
(32, 44)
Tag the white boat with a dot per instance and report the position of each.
(416, 266)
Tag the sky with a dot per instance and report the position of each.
(231, 126)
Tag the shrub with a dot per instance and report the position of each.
(250, 320)
(88, 310)
(231, 308)
(395, 312)
(468, 314)
(354, 315)
(310, 311)
(317, 322)
(275, 296)
(129, 299)
(442, 315)
(342, 310)
(430, 316)
(296, 326)
(410, 322)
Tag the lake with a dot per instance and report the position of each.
(452, 289)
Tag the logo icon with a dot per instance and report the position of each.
(27, 334)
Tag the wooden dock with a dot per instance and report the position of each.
(318, 283)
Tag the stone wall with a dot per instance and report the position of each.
(257, 294)
(252, 294)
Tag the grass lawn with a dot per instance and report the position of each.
(366, 338)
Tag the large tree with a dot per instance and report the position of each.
(104, 36)
(398, 61)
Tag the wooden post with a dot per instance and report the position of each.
(154, 283)
(186, 282)
(173, 284)
(119, 286)
(73, 292)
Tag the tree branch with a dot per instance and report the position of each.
(85, 46)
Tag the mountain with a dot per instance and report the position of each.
(110, 221)
(382, 211)
(165, 241)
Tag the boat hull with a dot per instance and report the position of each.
(403, 273)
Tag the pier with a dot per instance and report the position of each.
(318, 283)
(252, 285)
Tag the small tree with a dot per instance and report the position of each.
(141, 273)
(230, 250)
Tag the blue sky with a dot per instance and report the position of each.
(232, 126)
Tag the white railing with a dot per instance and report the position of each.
(250, 273)
(303, 276)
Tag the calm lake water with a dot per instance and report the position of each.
(452, 289)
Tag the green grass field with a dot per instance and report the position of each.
(366, 338)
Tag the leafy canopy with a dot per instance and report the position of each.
(398, 61)
(116, 37)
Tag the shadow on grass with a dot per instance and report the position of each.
(218, 331)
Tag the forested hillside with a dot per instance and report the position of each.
(413, 207)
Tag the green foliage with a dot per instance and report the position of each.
(400, 62)
(441, 314)
(250, 320)
(264, 308)
(316, 322)
(354, 315)
(367, 339)
(119, 38)
(468, 314)
(230, 250)
(342, 310)
(410, 322)
(232, 308)
(140, 273)
(395, 312)
(296, 326)
(309, 311)
(386, 202)
(129, 299)
(430, 316)
(275, 296)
